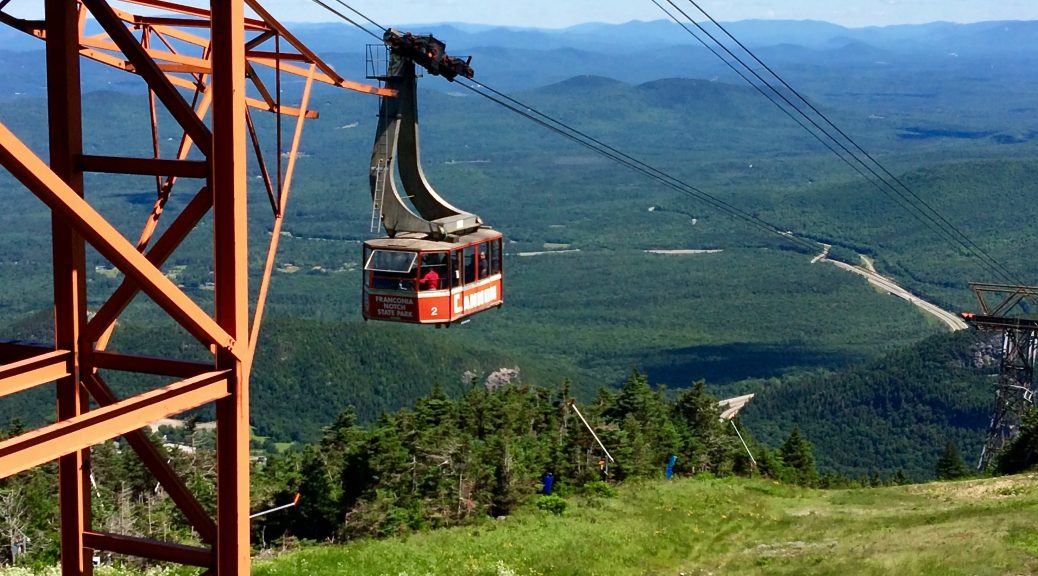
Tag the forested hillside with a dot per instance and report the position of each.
(584, 299)
(894, 413)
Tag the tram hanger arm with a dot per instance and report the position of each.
(396, 146)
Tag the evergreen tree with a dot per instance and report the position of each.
(505, 493)
(875, 480)
(899, 478)
(1022, 453)
(635, 397)
(445, 462)
(644, 417)
(799, 459)
(706, 443)
(318, 510)
(950, 465)
(769, 464)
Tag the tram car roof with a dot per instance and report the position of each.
(421, 242)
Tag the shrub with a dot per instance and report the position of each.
(552, 503)
(599, 489)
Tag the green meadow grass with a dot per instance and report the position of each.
(704, 526)
(720, 526)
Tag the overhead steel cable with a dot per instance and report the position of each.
(847, 156)
(348, 19)
(631, 162)
(606, 150)
(882, 185)
(757, 87)
(358, 13)
(926, 214)
(937, 215)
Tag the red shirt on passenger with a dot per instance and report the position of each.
(430, 281)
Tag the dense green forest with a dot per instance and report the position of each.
(445, 462)
(867, 377)
(894, 413)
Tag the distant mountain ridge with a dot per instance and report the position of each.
(638, 35)
(636, 52)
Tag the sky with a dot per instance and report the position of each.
(562, 13)
(556, 14)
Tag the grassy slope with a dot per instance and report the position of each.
(727, 526)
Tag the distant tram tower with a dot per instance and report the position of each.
(1014, 392)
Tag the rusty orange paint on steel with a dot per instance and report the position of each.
(64, 113)
(186, 37)
(250, 23)
(105, 58)
(72, 435)
(150, 549)
(151, 224)
(290, 111)
(275, 236)
(38, 177)
(326, 79)
(149, 70)
(25, 374)
(149, 364)
(260, 86)
(230, 271)
(145, 166)
(327, 76)
(76, 220)
(194, 62)
(158, 465)
(291, 39)
(178, 230)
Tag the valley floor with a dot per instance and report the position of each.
(721, 526)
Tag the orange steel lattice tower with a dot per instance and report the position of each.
(195, 63)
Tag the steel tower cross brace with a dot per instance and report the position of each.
(1014, 391)
(226, 80)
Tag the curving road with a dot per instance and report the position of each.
(951, 320)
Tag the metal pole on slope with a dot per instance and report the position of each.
(739, 434)
(294, 502)
(730, 408)
(573, 405)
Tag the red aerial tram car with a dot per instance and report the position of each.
(412, 279)
(438, 264)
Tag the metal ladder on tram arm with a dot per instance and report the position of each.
(377, 196)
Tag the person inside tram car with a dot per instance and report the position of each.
(434, 271)
(430, 280)
(484, 266)
(407, 281)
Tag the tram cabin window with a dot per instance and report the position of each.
(484, 264)
(434, 271)
(495, 256)
(470, 264)
(391, 270)
(456, 267)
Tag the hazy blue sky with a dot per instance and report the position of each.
(554, 13)
(559, 13)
